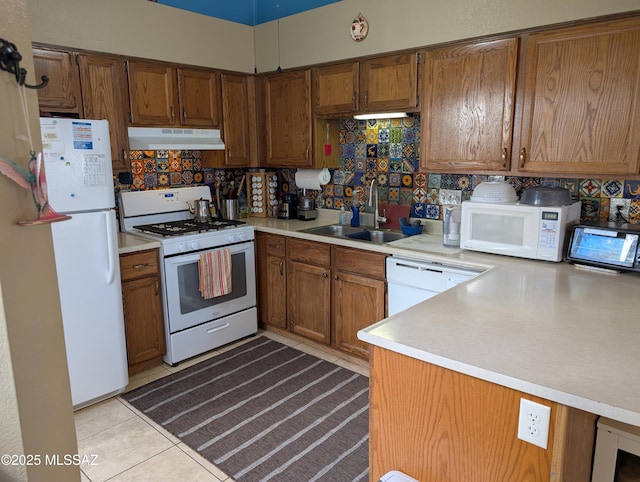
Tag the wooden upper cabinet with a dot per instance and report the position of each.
(162, 95)
(381, 84)
(239, 119)
(105, 96)
(62, 93)
(336, 88)
(467, 106)
(153, 94)
(288, 122)
(199, 98)
(581, 100)
(389, 83)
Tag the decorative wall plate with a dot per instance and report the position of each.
(359, 28)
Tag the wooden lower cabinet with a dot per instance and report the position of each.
(358, 296)
(438, 425)
(309, 289)
(323, 292)
(272, 279)
(142, 300)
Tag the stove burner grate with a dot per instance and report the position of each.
(187, 226)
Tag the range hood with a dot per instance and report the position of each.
(153, 138)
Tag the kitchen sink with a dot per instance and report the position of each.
(378, 236)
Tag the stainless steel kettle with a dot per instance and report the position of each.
(200, 210)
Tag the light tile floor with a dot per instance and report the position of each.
(129, 447)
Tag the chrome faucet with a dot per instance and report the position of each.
(377, 219)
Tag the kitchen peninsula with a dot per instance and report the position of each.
(457, 365)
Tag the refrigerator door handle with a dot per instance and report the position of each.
(111, 273)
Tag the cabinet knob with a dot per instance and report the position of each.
(523, 156)
(504, 157)
(335, 277)
(281, 268)
(140, 266)
(173, 114)
(324, 275)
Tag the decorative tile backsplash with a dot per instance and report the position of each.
(387, 150)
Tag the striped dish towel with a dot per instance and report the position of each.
(214, 273)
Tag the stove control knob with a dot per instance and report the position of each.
(181, 247)
(241, 237)
(231, 238)
(194, 245)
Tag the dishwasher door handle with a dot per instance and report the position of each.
(419, 268)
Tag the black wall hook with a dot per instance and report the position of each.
(10, 60)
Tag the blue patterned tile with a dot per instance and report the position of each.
(433, 211)
(395, 151)
(435, 181)
(418, 210)
(632, 189)
(395, 165)
(612, 188)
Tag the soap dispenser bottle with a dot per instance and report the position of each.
(355, 216)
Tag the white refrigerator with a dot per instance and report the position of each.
(77, 159)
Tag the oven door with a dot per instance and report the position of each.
(184, 304)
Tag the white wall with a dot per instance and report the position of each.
(141, 28)
(322, 35)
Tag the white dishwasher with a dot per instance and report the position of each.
(411, 281)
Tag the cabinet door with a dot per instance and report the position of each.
(309, 301)
(143, 319)
(581, 100)
(468, 102)
(336, 88)
(288, 126)
(239, 119)
(153, 95)
(62, 93)
(277, 292)
(357, 302)
(389, 83)
(104, 96)
(272, 280)
(199, 98)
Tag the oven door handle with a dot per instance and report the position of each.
(195, 256)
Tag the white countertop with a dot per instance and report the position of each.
(549, 329)
(130, 243)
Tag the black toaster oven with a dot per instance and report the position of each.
(605, 245)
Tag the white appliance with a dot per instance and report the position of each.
(193, 324)
(617, 453)
(152, 138)
(77, 159)
(411, 281)
(515, 229)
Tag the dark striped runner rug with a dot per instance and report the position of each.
(265, 411)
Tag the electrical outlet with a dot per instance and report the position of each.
(533, 424)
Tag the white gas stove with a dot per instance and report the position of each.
(194, 324)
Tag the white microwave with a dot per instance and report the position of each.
(514, 229)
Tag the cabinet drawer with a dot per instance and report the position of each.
(136, 265)
(275, 245)
(358, 261)
(309, 252)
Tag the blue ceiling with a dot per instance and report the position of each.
(248, 12)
